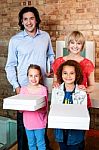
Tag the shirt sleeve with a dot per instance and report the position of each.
(11, 65)
(50, 52)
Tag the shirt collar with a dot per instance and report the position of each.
(26, 34)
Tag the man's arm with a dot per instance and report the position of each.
(17, 90)
(50, 55)
(11, 65)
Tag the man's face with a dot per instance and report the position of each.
(29, 22)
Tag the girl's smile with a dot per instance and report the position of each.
(68, 74)
(34, 77)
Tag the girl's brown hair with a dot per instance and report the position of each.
(78, 37)
(33, 66)
(76, 65)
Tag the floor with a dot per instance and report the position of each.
(92, 136)
(92, 140)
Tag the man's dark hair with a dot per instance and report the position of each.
(29, 9)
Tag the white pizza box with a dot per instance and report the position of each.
(70, 116)
(24, 102)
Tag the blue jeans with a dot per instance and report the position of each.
(36, 139)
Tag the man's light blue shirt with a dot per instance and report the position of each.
(24, 50)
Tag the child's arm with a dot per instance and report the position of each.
(45, 108)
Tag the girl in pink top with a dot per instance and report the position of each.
(35, 121)
(75, 45)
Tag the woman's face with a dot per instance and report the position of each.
(75, 47)
(68, 74)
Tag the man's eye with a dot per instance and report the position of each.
(25, 19)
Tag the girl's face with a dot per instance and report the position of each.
(34, 77)
(68, 74)
(75, 47)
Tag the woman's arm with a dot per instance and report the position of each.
(91, 83)
(55, 82)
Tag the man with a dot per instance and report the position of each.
(30, 46)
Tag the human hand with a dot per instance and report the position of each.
(49, 75)
(55, 84)
(82, 87)
(17, 90)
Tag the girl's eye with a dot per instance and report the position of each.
(72, 73)
(79, 43)
(65, 73)
(37, 76)
(72, 42)
(30, 75)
